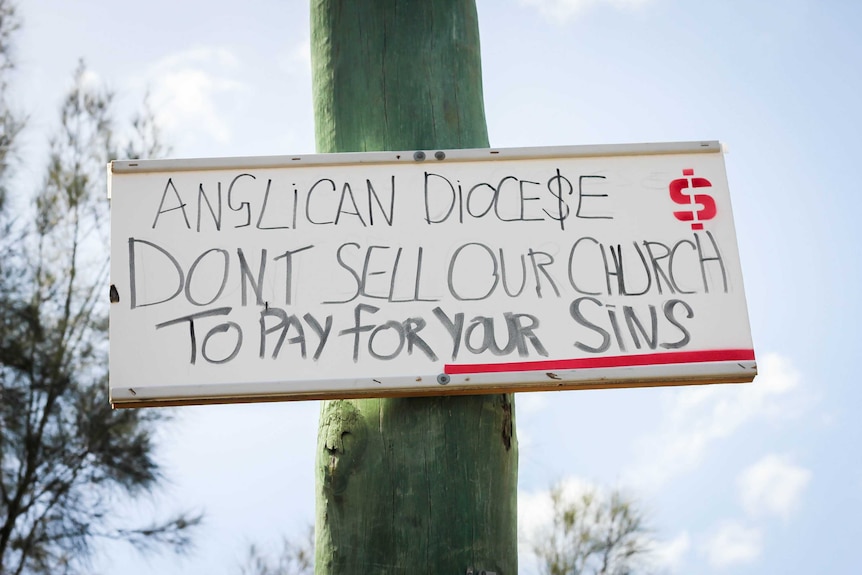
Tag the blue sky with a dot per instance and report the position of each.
(760, 478)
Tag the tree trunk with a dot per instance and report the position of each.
(419, 485)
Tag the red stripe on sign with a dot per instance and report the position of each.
(669, 358)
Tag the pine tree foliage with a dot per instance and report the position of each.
(593, 534)
(66, 458)
(10, 123)
(294, 558)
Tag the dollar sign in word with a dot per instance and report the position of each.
(700, 207)
(563, 209)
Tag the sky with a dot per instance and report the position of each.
(757, 478)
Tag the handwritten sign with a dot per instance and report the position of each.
(421, 273)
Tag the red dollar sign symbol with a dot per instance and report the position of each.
(704, 201)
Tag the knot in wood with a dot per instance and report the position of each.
(344, 437)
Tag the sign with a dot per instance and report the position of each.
(423, 273)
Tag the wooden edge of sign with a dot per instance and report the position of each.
(746, 377)
(412, 157)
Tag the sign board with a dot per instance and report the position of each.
(423, 273)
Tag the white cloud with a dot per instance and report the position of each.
(92, 80)
(563, 10)
(733, 544)
(698, 417)
(200, 55)
(301, 53)
(529, 405)
(773, 485)
(185, 88)
(295, 59)
(535, 515)
(536, 511)
(669, 555)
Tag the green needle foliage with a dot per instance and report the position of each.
(66, 458)
(594, 535)
(294, 558)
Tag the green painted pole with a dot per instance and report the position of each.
(418, 485)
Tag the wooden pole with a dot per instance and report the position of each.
(409, 485)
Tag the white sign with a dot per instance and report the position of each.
(422, 273)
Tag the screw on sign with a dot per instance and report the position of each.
(682, 192)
